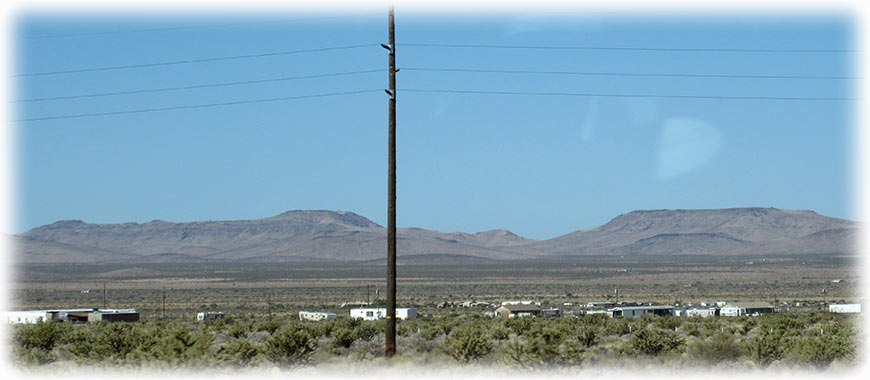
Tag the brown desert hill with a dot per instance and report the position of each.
(291, 236)
(319, 235)
(717, 231)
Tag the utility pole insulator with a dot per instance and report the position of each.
(391, 47)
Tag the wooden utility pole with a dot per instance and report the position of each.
(269, 304)
(390, 340)
(163, 317)
(105, 292)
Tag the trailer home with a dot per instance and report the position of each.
(371, 314)
(315, 316)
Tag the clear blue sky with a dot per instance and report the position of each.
(540, 166)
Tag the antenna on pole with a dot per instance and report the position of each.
(390, 333)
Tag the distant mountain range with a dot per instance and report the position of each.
(306, 236)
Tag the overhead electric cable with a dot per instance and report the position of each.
(599, 73)
(194, 106)
(199, 60)
(630, 48)
(624, 95)
(208, 85)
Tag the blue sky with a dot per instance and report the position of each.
(540, 166)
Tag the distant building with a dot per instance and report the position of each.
(114, 315)
(26, 316)
(371, 314)
(520, 303)
(354, 304)
(208, 316)
(552, 313)
(601, 304)
(315, 316)
(710, 312)
(517, 310)
(74, 315)
(845, 308)
(736, 309)
(639, 311)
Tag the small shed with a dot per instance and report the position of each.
(517, 310)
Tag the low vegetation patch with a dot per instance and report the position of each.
(811, 340)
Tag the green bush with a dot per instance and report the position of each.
(651, 341)
(546, 347)
(239, 353)
(430, 332)
(467, 344)
(269, 326)
(34, 343)
(587, 335)
(691, 329)
(111, 343)
(343, 337)
(520, 325)
(820, 351)
(238, 330)
(764, 350)
(368, 330)
(617, 327)
(718, 348)
(500, 333)
(181, 347)
(668, 323)
(291, 346)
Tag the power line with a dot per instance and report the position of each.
(630, 48)
(281, 79)
(187, 61)
(189, 27)
(596, 73)
(194, 106)
(605, 95)
(208, 85)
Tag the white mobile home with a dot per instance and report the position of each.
(711, 312)
(27, 316)
(845, 308)
(737, 309)
(74, 315)
(638, 311)
(208, 316)
(315, 316)
(371, 314)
